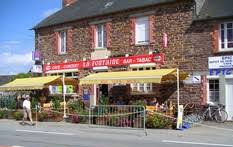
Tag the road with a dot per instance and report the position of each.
(72, 135)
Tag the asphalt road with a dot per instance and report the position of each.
(73, 135)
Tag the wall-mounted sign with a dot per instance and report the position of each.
(36, 55)
(36, 69)
(54, 89)
(218, 72)
(110, 62)
(193, 79)
(220, 62)
(196, 79)
(86, 94)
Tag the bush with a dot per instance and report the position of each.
(76, 106)
(103, 100)
(42, 116)
(159, 122)
(3, 114)
(18, 115)
(139, 103)
(34, 102)
(56, 103)
(75, 119)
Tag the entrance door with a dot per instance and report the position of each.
(104, 90)
(229, 99)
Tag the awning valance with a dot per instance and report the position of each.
(34, 83)
(128, 77)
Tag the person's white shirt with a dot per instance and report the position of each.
(27, 104)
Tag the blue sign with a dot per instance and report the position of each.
(86, 94)
(223, 71)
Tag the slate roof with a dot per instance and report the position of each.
(213, 9)
(5, 79)
(89, 8)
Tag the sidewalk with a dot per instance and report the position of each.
(90, 135)
(209, 128)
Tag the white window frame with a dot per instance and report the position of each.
(225, 37)
(97, 37)
(60, 51)
(208, 92)
(73, 74)
(145, 90)
(143, 42)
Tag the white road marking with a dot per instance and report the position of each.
(197, 143)
(44, 132)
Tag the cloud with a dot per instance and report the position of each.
(11, 44)
(15, 63)
(49, 12)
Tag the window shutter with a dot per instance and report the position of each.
(69, 41)
(93, 36)
(132, 28)
(56, 43)
(203, 90)
(215, 38)
(152, 29)
(108, 29)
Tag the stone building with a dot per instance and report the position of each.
(195, 36)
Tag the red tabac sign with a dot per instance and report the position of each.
(110, 62)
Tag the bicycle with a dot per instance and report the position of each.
(216, 113)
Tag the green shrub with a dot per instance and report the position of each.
(56, 103)
(18, 115)
(34, 102)
(103, 100)
(42, 116)
(76, 106)
(3, 114)
(139, 103)
(159, 122)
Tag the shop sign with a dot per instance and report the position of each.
(218, 72)
(54, 89)
(193, 79)
(110, 62)
(220, 62)
(36, 69)
(86, 94)
(36, 55)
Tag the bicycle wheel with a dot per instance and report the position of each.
(221, 116)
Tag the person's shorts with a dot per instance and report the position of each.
(26, 113)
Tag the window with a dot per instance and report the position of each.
(213, 91)
(142, 87)
(67, 74)
(226, 36)
(142, 30)
(62, 42)
(100, 37)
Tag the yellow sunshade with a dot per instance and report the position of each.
(127, 77)
(28, 83)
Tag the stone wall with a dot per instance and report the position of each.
(189, 43)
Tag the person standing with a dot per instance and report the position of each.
(27, 109)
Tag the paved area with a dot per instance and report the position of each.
(61, 134)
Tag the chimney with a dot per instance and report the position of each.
(66, 3)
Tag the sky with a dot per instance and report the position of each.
(17, 17)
